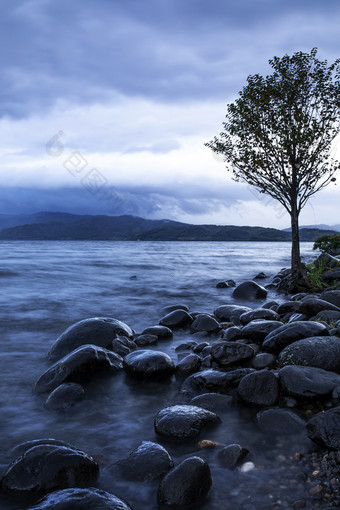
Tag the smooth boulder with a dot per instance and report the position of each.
(226, 312)
(214, 381)
(307, 382)
(78, 365)
(277, 340)
(144, 364)
(148, 461)
(250, 290)
(186, 484)
(312, 306)
(279, 421)
(258, 329)
(232, 455)
(212, 401)
(183, 421)
(65, 396)
(98, 331)
(259, 313)
(204, 322)
(227, 354)
(259, 389)
(176, 319)
(189, 364)
(324, 428)
(47, 467)
(161, 332)
(318, 351)
(81, 499)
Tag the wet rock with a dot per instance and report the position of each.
(123, 345)
(329, 316)
(212, 401)
(99, 331)
(232, 455)
(176, 319)
(279, 421)
(258, 329)
(260, 276)
(332, 296)
(183, 422)
(81, 499)
(45, 468)
(78, 365)
(312, 306)
(214, 381)
(225, 284)
(186, 484)
(148, 461)
(233, 333)
(189, 364)
(297, 317)
(259, 389)
(225, 312)
(270, 305)
(204, 322)
(161, 332)
(199, 347)
(318, 351)
(287, 307)
(172, 308)
(250, 290)
(325, 260)
(186, 346)
(65, 396)
(144, 340)
(307, 382)
(149, 365)
(227, 354)
(259, 313)
(277, 340)
(324, 428)
(330, 276)
(264, 360)
(22, 448)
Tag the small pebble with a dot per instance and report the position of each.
(246, 467)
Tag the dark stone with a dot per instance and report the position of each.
(45, 468)
(149, 365)
(222, 285)
(212, 401)
(143, 340)
(232, 455)
(250, 290)
(329, 316)
(204, 322)
(189, 364)
(259, 313)
(287, 307)
(78, 365)
(200, 347)
(277, 340)
(161, 332)
(98, 331)
(270, 305)
(22, 448)
(260, 276)
(186, 346)
(307, 382)
(324, 428)
(172, 308)
(258, 329)
(332, 296)
(123, 345)
(176, 319)
(81, 499)
(65, 396)
(325, 260)
(312, 306)
(214, 381)
(148, 461)
(225, 312)
(183, 422)
(297, 317)
(259, 388)
(233, 333)
(264, 360)
(227, 354)
(330, 276)
(187, 483)
(279, 421)
(318, 351)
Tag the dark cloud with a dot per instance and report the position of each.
(84, 50)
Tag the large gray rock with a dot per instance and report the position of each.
(65, 396)
(307, 382)
(258, 329)
(148, 461)
(287, 307)
(259, 388)
(211, 381)
(79, 364)
(259, 313)
(250, 290)
(98, 331)
(183, 421)
(332, 296)
(313, 305)
(186, 484)
(226, 312)
(189, 364)
(47, 467)
(149, 365)
(176, 319)
(277, 340)
(204, 322)
(324, 428)
(227, 354)
(279, 421)
(318, 351)
(161, 332)
(81, 499)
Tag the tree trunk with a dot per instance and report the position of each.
(297, 269)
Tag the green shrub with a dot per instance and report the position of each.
(327, 243)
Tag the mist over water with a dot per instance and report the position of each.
(47, 286)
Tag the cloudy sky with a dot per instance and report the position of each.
(105, 105)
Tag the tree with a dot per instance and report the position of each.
(278, 134)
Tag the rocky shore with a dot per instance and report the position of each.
(277, 362)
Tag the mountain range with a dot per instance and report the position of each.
(71, 227)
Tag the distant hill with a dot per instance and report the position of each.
(69, 227)
(317, 227)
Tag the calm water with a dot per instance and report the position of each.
(47, 286)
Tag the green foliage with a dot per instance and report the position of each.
(327, 243)
(314, 271)
(277, 135)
